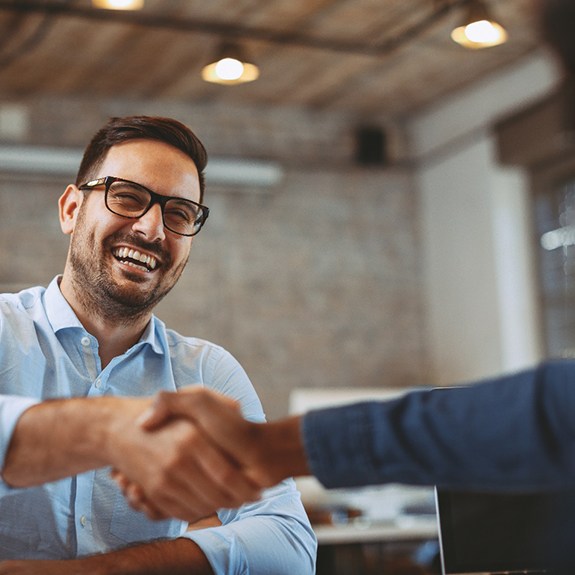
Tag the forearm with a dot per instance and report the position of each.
(175, 557)
(59, 438)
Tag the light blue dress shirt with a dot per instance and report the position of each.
(45, 352)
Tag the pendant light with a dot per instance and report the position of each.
(118, 4)
(230, 67)
(479, 29)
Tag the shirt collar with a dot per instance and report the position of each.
(61, 316)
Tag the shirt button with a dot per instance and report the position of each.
(83, 521)
(98, 383)
(85, 341)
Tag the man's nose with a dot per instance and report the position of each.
(151, 224)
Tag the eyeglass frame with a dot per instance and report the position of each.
(155, 198)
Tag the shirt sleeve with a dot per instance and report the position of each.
(515, 432)
(272, 535)
(11, 408)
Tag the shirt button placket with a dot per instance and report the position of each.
(83, 514)
(90, 360)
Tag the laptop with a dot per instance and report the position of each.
(488, 534)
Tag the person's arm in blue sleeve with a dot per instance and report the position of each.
(515, 432)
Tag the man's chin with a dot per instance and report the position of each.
(134, 277)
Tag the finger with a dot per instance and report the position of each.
(178, 501)
(137, 500)
(121, 480)
(191, 403)
(198, 494)
(135, 496)
(157, 414)
(167, 405)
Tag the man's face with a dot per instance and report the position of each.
(102, 267)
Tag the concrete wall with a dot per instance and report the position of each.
(477, 232)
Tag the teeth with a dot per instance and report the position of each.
(124, 253)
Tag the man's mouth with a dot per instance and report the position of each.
(135, 259)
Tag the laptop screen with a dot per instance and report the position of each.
(490, 533)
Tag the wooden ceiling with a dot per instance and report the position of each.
(362, 57)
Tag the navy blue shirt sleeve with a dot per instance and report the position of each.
(515, 432)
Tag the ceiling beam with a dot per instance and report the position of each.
(233, 31)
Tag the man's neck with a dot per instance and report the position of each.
(114, 337)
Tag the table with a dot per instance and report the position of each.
(358, 548)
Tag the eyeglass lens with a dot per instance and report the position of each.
(130, 200)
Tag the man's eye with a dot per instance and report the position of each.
(127, 197)
(184, 216)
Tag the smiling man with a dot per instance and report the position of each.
(78, 362)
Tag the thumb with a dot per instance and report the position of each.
(158, 413)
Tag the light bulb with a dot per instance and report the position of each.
(119, 4)
(482, 31)
(229, 69)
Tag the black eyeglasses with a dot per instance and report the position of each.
(131, 200)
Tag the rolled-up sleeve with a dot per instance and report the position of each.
(11, 408)
(272, 535)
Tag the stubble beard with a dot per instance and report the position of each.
(97, 290)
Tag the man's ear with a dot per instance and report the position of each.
(68, 207)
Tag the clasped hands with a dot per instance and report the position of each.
(206, 457)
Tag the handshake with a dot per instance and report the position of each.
(214, 458)
(181, 455)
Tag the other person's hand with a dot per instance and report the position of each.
(177, 470)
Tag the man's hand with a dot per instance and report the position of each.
(173, 467)
(263, 453)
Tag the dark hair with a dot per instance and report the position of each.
(120, 130)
